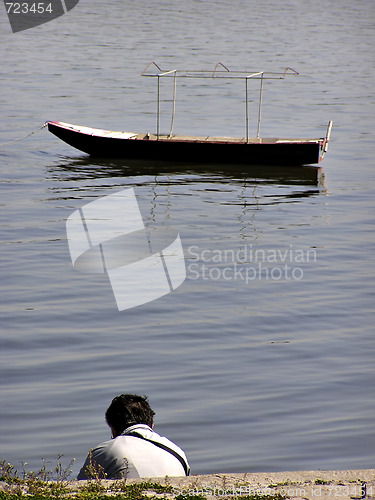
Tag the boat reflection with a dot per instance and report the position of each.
(90, 168)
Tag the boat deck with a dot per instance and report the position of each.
(222, 140)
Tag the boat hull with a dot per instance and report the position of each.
(107, 144)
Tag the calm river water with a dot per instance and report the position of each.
(247, 371)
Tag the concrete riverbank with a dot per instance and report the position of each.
(344, 485)
(310, 485)
(338, 485)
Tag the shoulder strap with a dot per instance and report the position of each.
(166, 448)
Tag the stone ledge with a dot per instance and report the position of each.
(344, 485)
(293, 485)
(337, 485)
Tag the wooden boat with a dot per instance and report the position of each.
(196, 149)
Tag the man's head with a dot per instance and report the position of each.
(126, 410)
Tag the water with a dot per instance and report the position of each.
(247, 372)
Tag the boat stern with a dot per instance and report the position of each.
(324, 141)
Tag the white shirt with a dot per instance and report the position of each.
(131, 457)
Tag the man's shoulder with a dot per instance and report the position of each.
(115, 443)
(103, 446)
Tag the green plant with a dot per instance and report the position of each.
(42, 484)
(321, 481)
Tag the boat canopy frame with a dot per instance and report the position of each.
(220, 71)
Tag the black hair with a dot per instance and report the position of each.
(129, 409)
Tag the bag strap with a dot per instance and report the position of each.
(166, 448)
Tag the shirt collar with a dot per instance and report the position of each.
(136, 427)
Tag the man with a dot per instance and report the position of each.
(135, 450)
